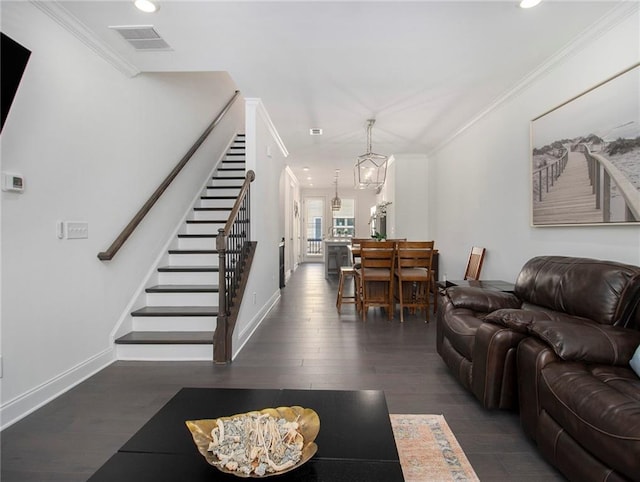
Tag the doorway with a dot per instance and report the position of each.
(314, 225)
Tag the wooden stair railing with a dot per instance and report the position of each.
(235, 253)
(135, 221)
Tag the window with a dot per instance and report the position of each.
(314, 210)
(344, 221)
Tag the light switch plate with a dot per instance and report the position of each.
(12, 182)
(77, 230)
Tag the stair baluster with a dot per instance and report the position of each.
(234, 247)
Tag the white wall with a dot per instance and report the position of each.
(92, 145)
(265, 155)
(406, 188)
(480, 182)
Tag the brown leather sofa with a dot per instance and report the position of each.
(574, 332)
(481, 355)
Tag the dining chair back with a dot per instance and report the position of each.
(474, 265)
(414, 275)
(375, 276)
(355, 249)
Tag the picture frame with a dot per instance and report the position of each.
(585, 157)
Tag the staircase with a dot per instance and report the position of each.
(179, 318)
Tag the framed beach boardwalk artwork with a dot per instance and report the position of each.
(585, 157)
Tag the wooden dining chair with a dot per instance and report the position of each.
(355, 249)
(414, 275)
(474, 265)
(375, 276)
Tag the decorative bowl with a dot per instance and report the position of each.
(308, 426)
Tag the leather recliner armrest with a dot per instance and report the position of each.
(481, 300)
(522, 319)
(582, 340)
(517, 320)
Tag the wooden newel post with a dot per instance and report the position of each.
(220, 349)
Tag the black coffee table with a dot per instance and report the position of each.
(355, 442)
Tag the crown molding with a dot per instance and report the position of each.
(70, 23)
(292, 177)
(613, 18)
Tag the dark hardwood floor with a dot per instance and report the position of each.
(303, 343)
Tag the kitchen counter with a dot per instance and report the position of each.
(336, 254)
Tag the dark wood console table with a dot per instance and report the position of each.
(494, 285)
(355, 441)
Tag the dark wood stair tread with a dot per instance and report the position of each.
(182, 289)
(176, 311)
(188, 269)
(218, 197)
(212, 209)
(193, 251)
(206, 221)
(167, 338)
(197, 236)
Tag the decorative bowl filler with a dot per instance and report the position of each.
(258, 444)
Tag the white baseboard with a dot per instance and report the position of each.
(245, 334)
(21, 406)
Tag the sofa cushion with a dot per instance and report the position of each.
(520, 320)
(481, 300)
(599, 406)
(583, 340)
(602, 291)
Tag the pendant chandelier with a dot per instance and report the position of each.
(336, 202)
(370, 170)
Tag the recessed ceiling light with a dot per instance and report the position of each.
(529, 3)
(305, 169)
(146, 6)
(315, 131)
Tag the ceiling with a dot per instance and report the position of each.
(422, 69)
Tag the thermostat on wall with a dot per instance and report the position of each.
(12, 182)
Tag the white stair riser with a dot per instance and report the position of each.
(211, 215)
(237, 183)
(174, 323)
(193, 259)
(164, 352)
(196, 243)
(233, 172)
(181, 299)
(207, 228)
(217, 203)
(227, 191)
(187, 278)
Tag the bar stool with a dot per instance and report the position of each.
(345, 272)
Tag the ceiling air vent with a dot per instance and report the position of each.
(315, 131)
(142, 37)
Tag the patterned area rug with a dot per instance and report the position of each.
(428, 450)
